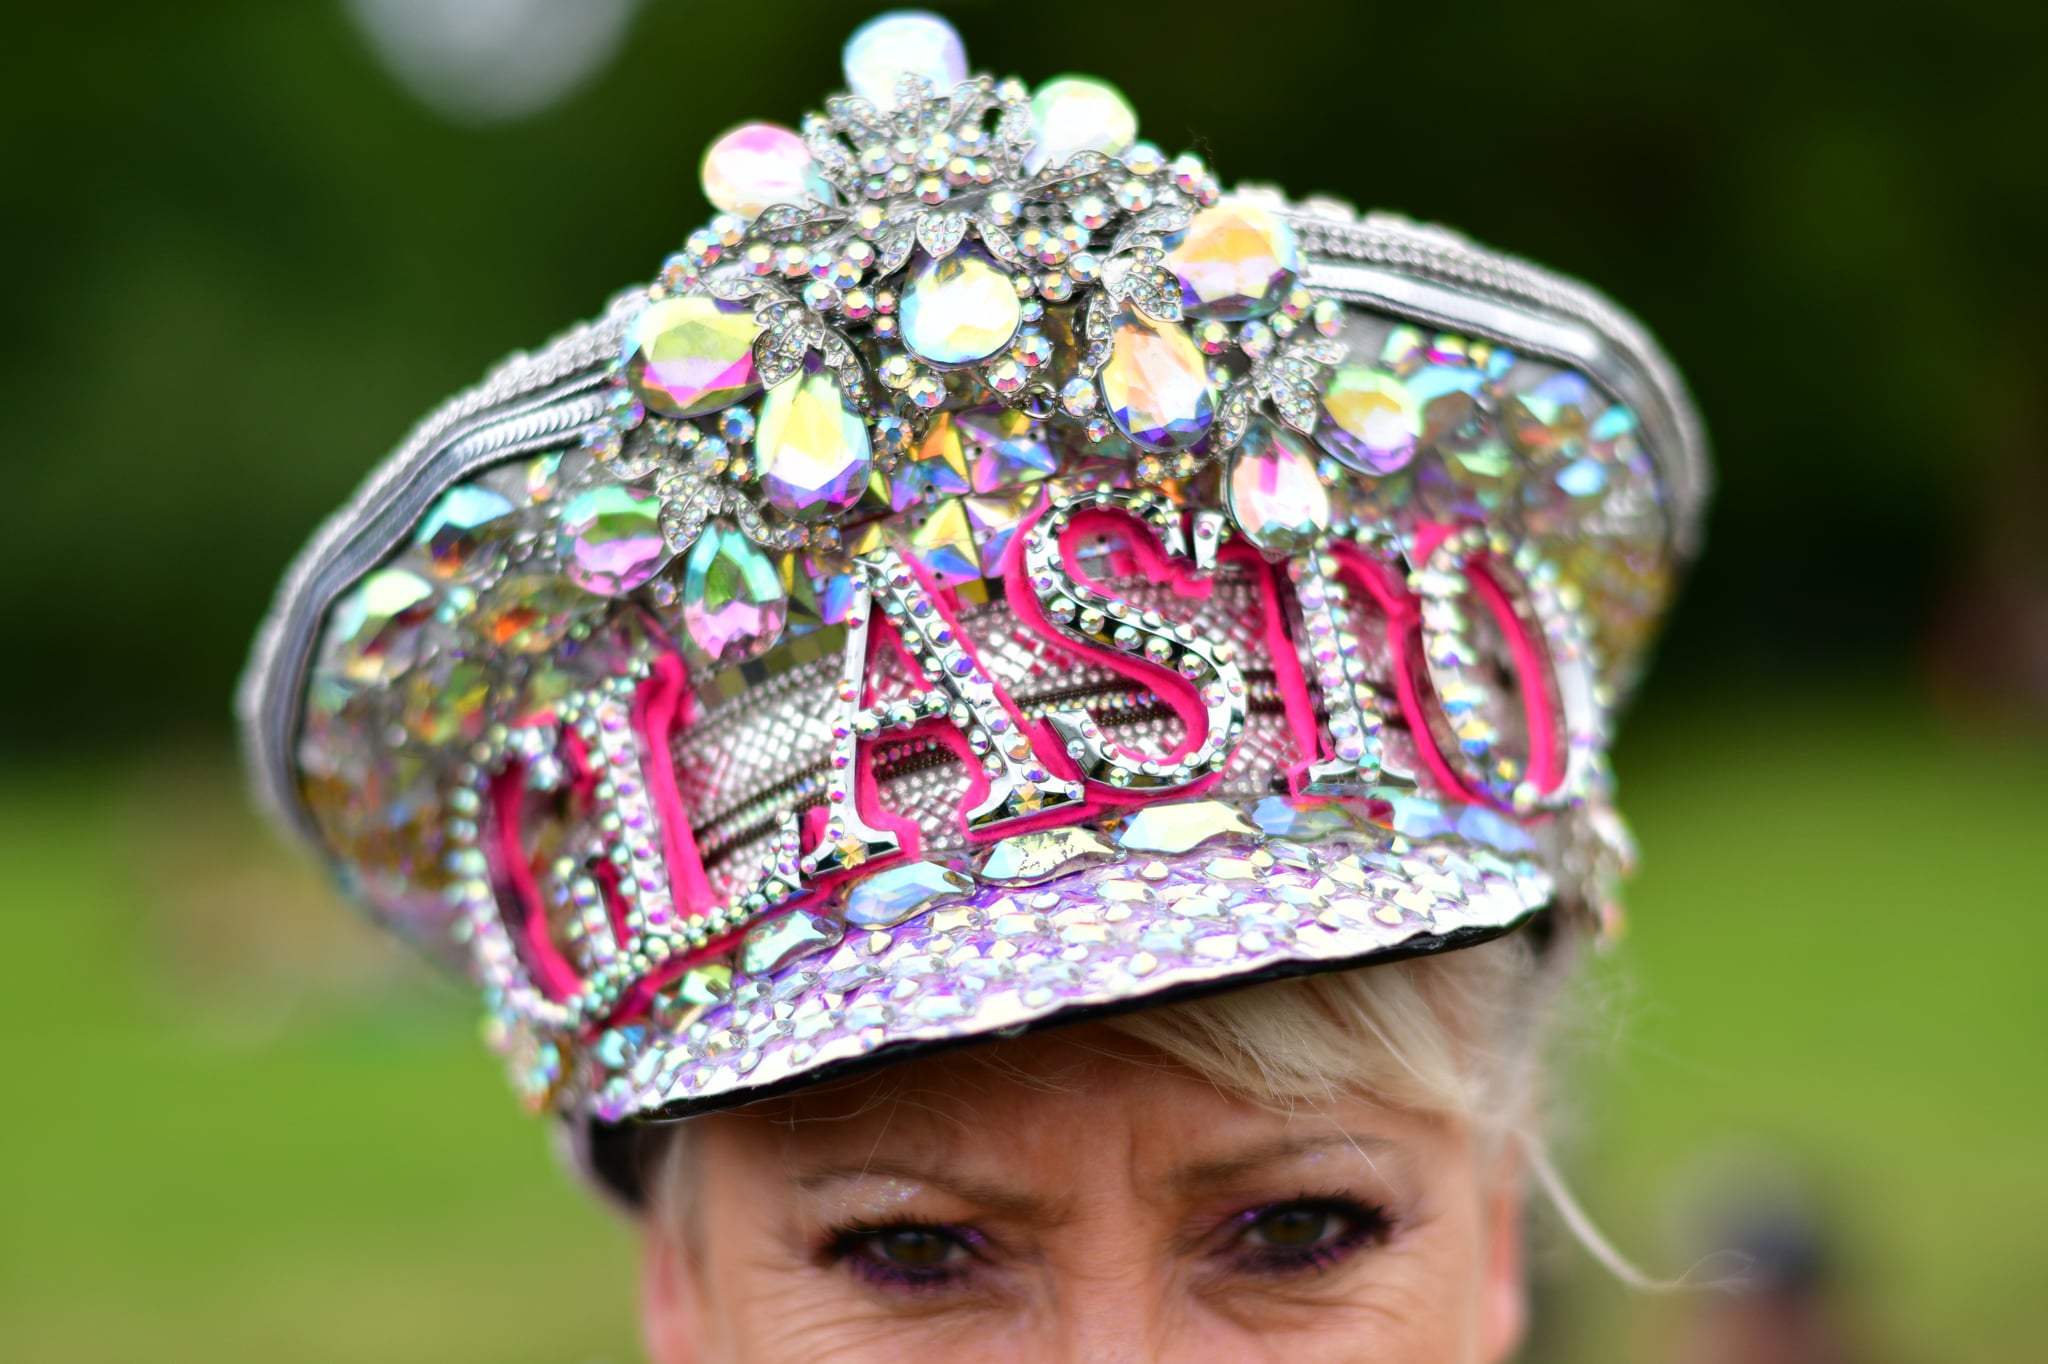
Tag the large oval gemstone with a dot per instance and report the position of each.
(1075, 114)
(733, 601)
(814, 450)
(908, 43)
(1155, 384)
(1234, 261)
(960, 309)
(1275, 495)
(686, 357)
(1370, 420)
(758, 164)
(610, 540)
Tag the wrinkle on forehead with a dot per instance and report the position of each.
(1023, 1136)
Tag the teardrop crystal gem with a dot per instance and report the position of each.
(1234, 261)
(1075, 114)
(907, 43)
(1370, 420)
(960, 310)
(1155, 384)
(1275, 495)
(758, 164)
(733, 601)
(685, 357)
(814, 449)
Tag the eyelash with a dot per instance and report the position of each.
(1368, 1225)
(852, 1246)
(855, 1246)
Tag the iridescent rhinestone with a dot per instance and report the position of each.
(1275, 495)
(1404, 351)
(1075, 114)
(1467, 476)
(1156, 384)
(940, 469)
(996, 518)
(960, 309)
(686, 357)
(1418, 816)
(1280, 817)
(812, 447)
(375, 632)
(820, 587)
(775, 944)
(1003, 448)
(733, 600)
(1467, 470)
(1181, 826)
(890, 897)
(1370, 421)
(528, 613)
(543, 476)
(801, 591)
(910, 43)
(1235, 261)
(467, 532)
(1494, 829)
(444, 702)
(1431, 385)
(618, 647)
(610, 539)
(385, 819)
(944, 544)
(1605, 472)
(706, 984)
(1551, 424)
(833, 577)
(759, 164)
(1028, 858)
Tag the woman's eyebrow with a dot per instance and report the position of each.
(1252, 1159)
(981, 1193)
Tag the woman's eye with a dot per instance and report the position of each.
(1296, 1227)
(1307, 1234)
(907, 1257)
(917, 1248)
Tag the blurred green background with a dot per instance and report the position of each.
(254, 241)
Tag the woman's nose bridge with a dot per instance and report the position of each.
(1124, 1309)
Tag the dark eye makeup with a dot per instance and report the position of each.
(1301, 1235)
(1305, 1234)
(909, 1256)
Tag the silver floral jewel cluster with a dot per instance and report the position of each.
(933, 243)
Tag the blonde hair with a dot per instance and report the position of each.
(1459, 1034)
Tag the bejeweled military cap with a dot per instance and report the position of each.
(992, 574)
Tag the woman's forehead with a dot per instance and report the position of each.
(1082, 1096)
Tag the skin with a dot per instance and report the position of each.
(1073, 1198)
